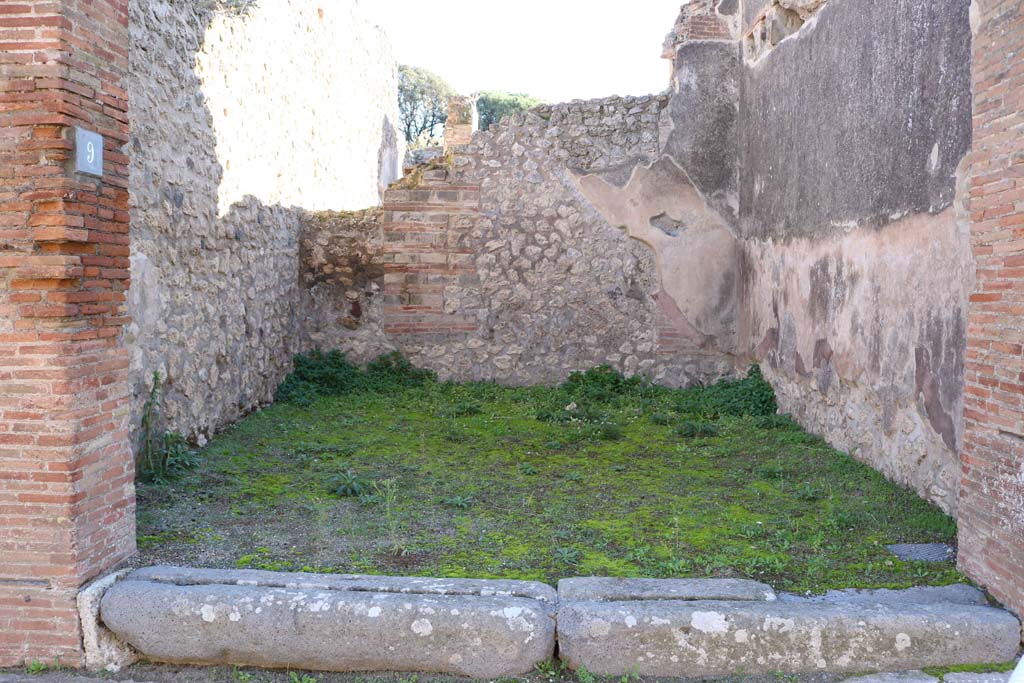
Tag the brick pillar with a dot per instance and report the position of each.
(463, 120)
(66, 471)
(991, 505)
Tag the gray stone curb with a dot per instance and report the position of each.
(594, 588)
(475, 628)
(187, 576)
(493, 629)
(718, 638)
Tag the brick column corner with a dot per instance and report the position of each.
(991, 498)
(66, 471)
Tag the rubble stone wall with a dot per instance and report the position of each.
(229, 148)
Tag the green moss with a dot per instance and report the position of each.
(940, 672)
(549, 497)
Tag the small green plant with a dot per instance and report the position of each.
(162, 455)
(662, 419)
(348, 485)
(583, 675)
(528, 469)
(241, 676)
(460, 502)
(566, 555)
(460, 409)
(320, 374)
(808, 493)
(776, 422)
(610, 431)
(550, 669)
(37, 667)
(387, 494)
(689, 429)
(296, 677)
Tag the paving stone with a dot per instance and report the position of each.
(716, 638)
(599, 588)
(188, 576)
(894, 677)
(482, 635)
(923, 552)
(995, 677)
(959, 593)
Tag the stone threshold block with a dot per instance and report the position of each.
(475, 628)
(614, 633)
(619, 589)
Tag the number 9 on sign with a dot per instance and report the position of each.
(88, 152)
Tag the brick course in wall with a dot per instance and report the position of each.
(991, 501)
(66, 473)
(426, 249)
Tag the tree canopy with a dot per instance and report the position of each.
(422, 101)
(494, 105)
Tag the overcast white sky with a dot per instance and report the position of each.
(557, 50)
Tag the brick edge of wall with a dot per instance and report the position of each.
(66, 470)
(991, 497)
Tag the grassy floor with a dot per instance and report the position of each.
(599, 477)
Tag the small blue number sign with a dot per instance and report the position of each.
(88, 152)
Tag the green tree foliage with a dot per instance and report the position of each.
(495, 105)
(422, 101)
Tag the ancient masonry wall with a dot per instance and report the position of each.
(992, 485)
(856, 262)
(534, 255)
(66, 477)
(229, 149)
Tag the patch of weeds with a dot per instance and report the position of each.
(162, 455)
(320, 374)
(689, 429)
(600, 385)
(663, 419)
(296, 677)
(461, 409)
(348, 485)
(453, 434)
(808, 493)
(771, 472)
(567, 555)
(751, 396)
(387, 494)
(550, 669)
(583, 675)
(459, 502)
(776, 422)
(528, 469)
(38, 667)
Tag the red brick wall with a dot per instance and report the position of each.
(698, 20)
(66, 493)
(426, 250)
(991, 506)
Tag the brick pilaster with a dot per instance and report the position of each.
(991, 505)
(66, 492)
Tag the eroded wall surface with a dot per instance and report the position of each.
(239, 123)
(560, 239)
(857, 265)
